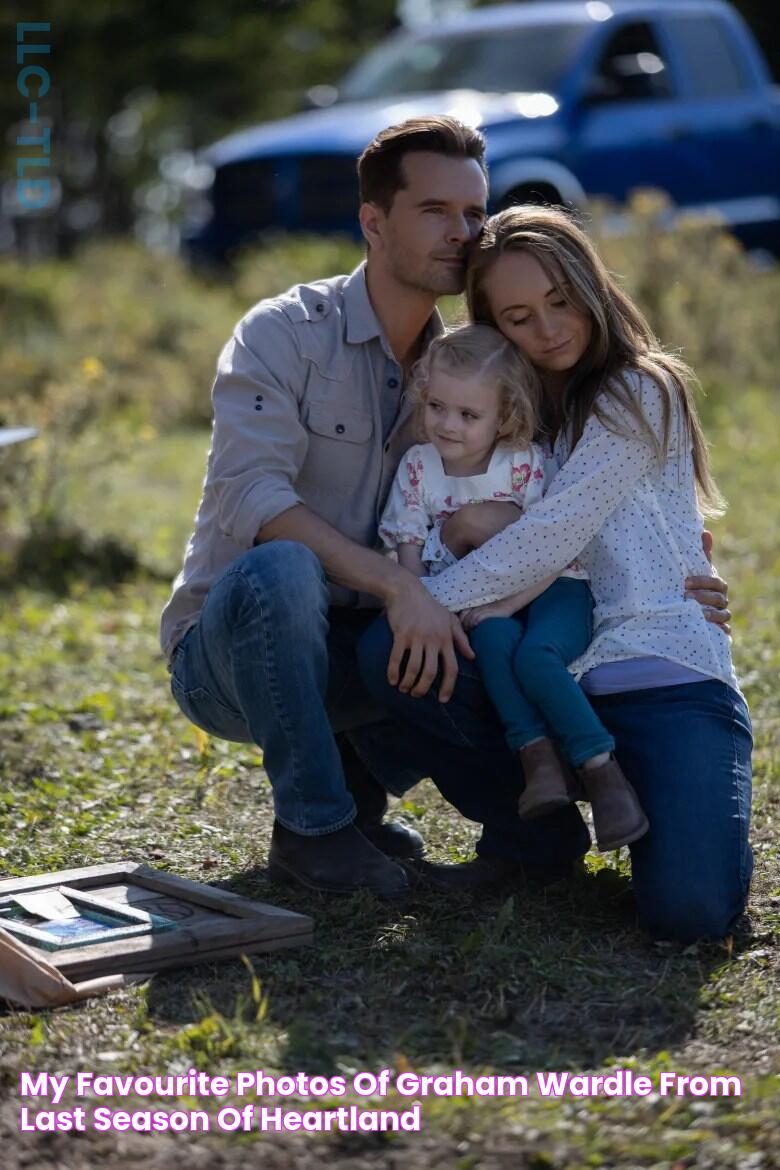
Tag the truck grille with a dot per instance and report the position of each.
(328, 192)
(312, 193)
(244, 194)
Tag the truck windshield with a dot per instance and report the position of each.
(514, 60)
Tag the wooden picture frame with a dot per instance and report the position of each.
(210, 923)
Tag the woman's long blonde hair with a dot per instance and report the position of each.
(621, 338)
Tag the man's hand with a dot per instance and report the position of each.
(711, 592)
(427, 632)
(473, 524)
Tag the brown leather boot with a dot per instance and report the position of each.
(549, 784)
(617, 814)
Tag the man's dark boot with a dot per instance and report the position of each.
(394, 838)
(488, 873)
(335, 863)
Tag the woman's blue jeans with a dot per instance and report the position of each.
(523, 662)
(686, 750)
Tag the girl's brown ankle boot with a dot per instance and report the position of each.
(617, 814)
(549, 784)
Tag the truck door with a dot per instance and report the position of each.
(625, 132)
(725, 118)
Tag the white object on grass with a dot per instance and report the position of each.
(11, 435)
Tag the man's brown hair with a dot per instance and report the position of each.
(380, 170)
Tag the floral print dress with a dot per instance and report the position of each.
(423, 496)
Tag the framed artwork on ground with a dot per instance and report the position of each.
(124, 918)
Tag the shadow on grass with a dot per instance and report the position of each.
(55, 556)
(528, 979)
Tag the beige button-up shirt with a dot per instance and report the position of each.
(298, 408)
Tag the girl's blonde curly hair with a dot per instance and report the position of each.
(480, 351)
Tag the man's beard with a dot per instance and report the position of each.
(425, 274)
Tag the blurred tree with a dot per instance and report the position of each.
(134, 79)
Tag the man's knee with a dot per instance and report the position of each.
(283, 576)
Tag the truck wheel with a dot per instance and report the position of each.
(543, 194)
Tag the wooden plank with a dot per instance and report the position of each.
(212, 902)
(212, 896)
(222, 942)
(163, 904)
(85, 877)
(277, 944)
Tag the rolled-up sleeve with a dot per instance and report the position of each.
(259, 442)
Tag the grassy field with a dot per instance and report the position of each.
(96, 764)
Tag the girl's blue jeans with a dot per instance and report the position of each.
(523, 662)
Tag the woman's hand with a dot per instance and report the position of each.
(473, 524)
(711, 592)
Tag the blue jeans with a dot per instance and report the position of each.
(268, 662)
(523, 662)
(461, 746)
(686, 750)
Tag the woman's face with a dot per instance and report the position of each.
(530, 311)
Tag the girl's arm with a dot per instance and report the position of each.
(405, 519)
(410, 557)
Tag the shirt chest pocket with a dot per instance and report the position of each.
(340, 449)
(343, 424)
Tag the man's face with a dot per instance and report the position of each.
(422, 240)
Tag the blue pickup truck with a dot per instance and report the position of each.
(576, 100)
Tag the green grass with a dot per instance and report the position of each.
(111, 357)
(522, 981)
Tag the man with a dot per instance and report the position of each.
(281, 576)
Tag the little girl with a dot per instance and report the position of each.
(477, 407)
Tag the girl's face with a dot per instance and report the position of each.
(530, 311)
(462, 419)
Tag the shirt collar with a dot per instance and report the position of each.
(363, 323)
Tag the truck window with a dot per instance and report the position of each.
(509, 60)
(707, 56)
(631, 67)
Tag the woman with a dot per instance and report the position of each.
(627, 504)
